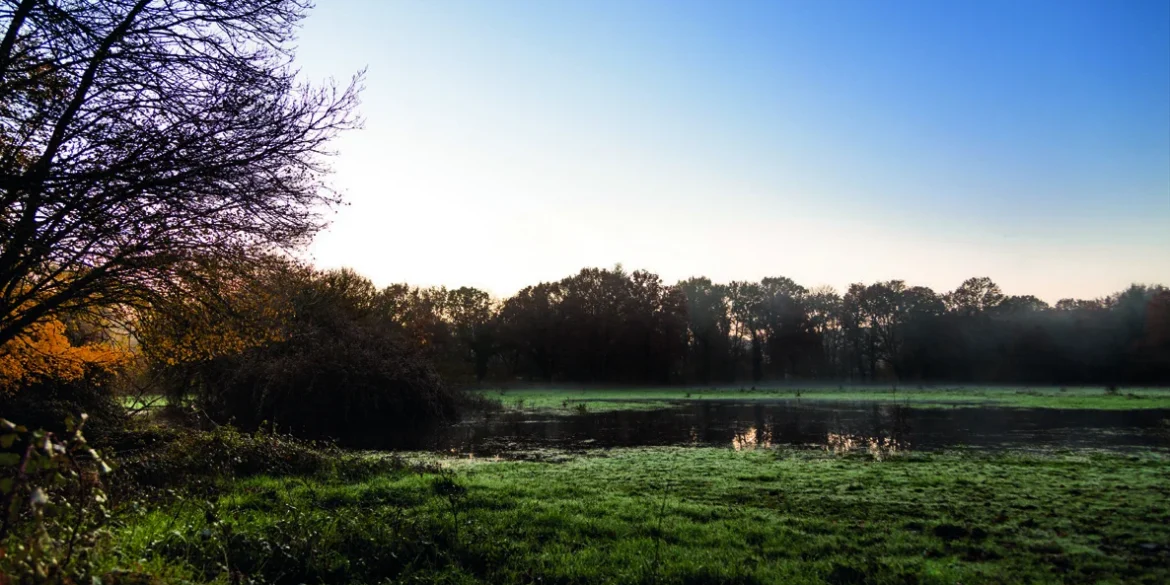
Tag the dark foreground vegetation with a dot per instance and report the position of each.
(159, 163)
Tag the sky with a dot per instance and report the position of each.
(510, 142)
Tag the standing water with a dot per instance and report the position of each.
(833, 425)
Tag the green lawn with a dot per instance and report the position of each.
(640, 398)
(679, 515)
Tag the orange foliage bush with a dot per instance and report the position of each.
(44, 353)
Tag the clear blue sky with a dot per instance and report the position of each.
(508, 142)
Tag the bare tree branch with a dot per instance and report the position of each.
(142, 138)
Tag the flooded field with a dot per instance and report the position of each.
(838, 426)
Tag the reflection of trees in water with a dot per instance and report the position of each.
(902, 423)
(894, 422)
(888, 427)
(757, 434)
(752, 438)
(879, 447)
(883, 429)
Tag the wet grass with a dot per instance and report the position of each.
(1020, 397)
(682, 515)
(142, 402)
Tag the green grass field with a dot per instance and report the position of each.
(143, 402)
(679, 515)
(640, 398)
(685, 515)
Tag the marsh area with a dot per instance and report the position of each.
(830, 425)
(708, 491)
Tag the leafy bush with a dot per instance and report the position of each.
(55, 370)
(54, 501)
(318, 355)
(159, 458)
(45, 404)
(53, 505)
(359, 386)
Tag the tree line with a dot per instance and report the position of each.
(611, 326)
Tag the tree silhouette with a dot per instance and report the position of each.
(609, 326)
(974, 296)
(470, 313)
(709, 328)
(140, 140)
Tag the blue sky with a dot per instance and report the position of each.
(510, 142)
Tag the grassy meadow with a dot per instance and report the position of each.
(681, 515)
(597, 400)
(862, 514)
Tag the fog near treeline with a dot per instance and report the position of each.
(613, 326)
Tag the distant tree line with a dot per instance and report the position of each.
(613, 326)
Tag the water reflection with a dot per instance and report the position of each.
(752, 438)
(880, 429)
(879, 447)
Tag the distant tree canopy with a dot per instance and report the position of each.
(617, 327)
(597, 326)
(142, 140)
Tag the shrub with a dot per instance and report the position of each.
(358, 386)
(51, 372)
(185, 460)
(53, 505)
(329, 361)
(45, 404)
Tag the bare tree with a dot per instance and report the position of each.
(140, 138)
